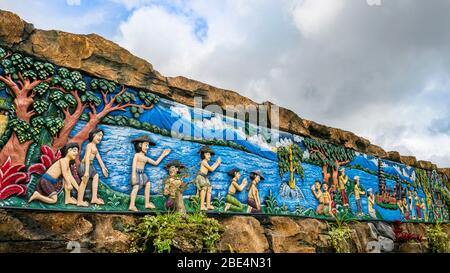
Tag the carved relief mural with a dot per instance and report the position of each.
(70, 142)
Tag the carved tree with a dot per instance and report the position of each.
(331, 157)
(20, 76)
(52, 99)
(290, 160)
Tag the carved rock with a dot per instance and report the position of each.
(243, 234)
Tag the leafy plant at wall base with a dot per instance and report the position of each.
(402, 237)
(437, 239)
(340, 233)
(164, 232)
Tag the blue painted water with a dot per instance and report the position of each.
(117, 153)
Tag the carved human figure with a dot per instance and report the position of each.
(410, 205)
(253, 201)
(358, 192)
(424, 210)
(406, 214)
(59, 173)
(324, 198)
(316, 190)
(87, 171)
(232, 202)
(138, 177)
(370, 203)
(343, 179)
(332, 192)
(418, 206)
(201, 181)
(398, 191)
(174, 187)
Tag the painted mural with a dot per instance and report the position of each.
(71, 142)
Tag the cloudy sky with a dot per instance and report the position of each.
(378, 68)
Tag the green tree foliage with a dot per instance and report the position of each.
(290, 161)
(322, 153)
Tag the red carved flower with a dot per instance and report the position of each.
(12, 180)
(47, 158)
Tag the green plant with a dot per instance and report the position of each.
(340, 233)
(161, 233)
(437, 239)
(272, 204)
(195, 203)
(114, 200)
(219, 202)
(284, 209)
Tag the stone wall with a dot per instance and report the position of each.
(31, 231)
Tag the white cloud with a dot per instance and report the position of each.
(73, 2)
(165, 39)
(313, 16)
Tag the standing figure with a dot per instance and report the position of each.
(50, 184)
(398, 191)
(138, 177)
(424, 210)
(202, 181)
(174, 187)
(87, 171)
(254, 203)
(232, 202)
(406, 210)
(418, 206)
(326, 198)
(332, 192)
(358, 193)
(370, 203)
(410, 204)
(343, 179)
(319, 196)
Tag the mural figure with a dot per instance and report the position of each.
(324, 206)
(424, 210)
(410, 205)
(253, 201)
(50, 184)
(233, 203)
(87, 171)
(418, 206)
(138, 177)
(201, 181)
(174, 187)
(358, 192)
(406, 214)
(370, 203)
(343, 179)
(332, 191)
(398, 192)
(43, 107)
